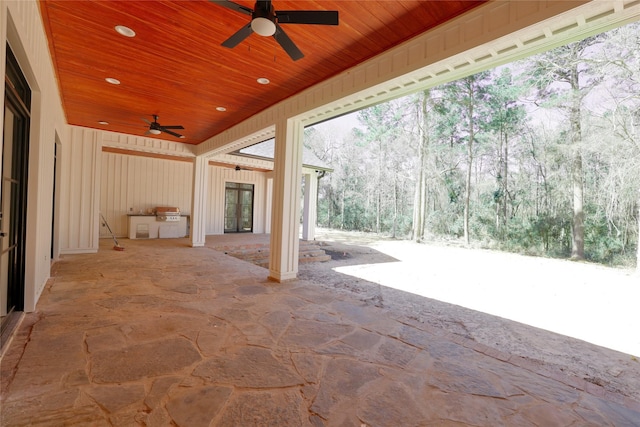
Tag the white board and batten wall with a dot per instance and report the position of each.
(218, 177)
(133, 184)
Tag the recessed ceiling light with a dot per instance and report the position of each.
(182, 136)
(221, 109)
(263, 81)
(112, 81)
(125, 31)
(102, 122)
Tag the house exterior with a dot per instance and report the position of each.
(72, 174)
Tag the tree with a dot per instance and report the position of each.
(421, 107)
(507, 119)
(621, 130)
(467, 98)
(563, 77)
(557, 176)
(382, 124)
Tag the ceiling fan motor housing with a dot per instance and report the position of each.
(263, 19)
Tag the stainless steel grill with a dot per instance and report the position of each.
(167, 214)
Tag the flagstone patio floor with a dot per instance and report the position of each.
(162, 334)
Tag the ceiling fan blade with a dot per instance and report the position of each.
(145, 120)
(318, 17)
(287, 44)
(233, 6)
(172, 133)
(240, 35)
(172, 127)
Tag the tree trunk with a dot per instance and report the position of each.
(379, 188)
(505, 186)
(420, 205)
(418, 215)
(498, 200)
(342, 208)
(577, 243)
(329, 204)
(467, 193)
(395, 204)
(378, 203)
(638, 241)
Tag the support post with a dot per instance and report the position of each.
(310, 206)
(285, 220)
(199, 201)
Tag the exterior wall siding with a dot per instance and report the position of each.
(144, 144)
(21, 27)
(218, 177)
(130, 184)
(78, 210)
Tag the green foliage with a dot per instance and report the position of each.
(604, 240)
(446, 222)
(521, 161)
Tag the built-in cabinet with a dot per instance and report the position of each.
(147, 227)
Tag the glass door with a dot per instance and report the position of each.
(13, 196)
(238, 208)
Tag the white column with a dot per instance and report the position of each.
(310, 206)
(268, 207)
(285, 223)
(199, 201)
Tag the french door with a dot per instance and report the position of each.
(238, 208)
(13, 195)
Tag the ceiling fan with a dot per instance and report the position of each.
(252, 169)
(266, 21)
(156, 128)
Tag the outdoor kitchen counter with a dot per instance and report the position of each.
(145, 226)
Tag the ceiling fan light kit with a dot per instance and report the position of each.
(263, 26)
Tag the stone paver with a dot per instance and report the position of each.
(163, 334)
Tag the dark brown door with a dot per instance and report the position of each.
(238, 208)
(13, 196)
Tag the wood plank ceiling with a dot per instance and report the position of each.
(176, 68)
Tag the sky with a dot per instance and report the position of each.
(339, 126)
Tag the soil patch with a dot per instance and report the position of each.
(338, 255)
